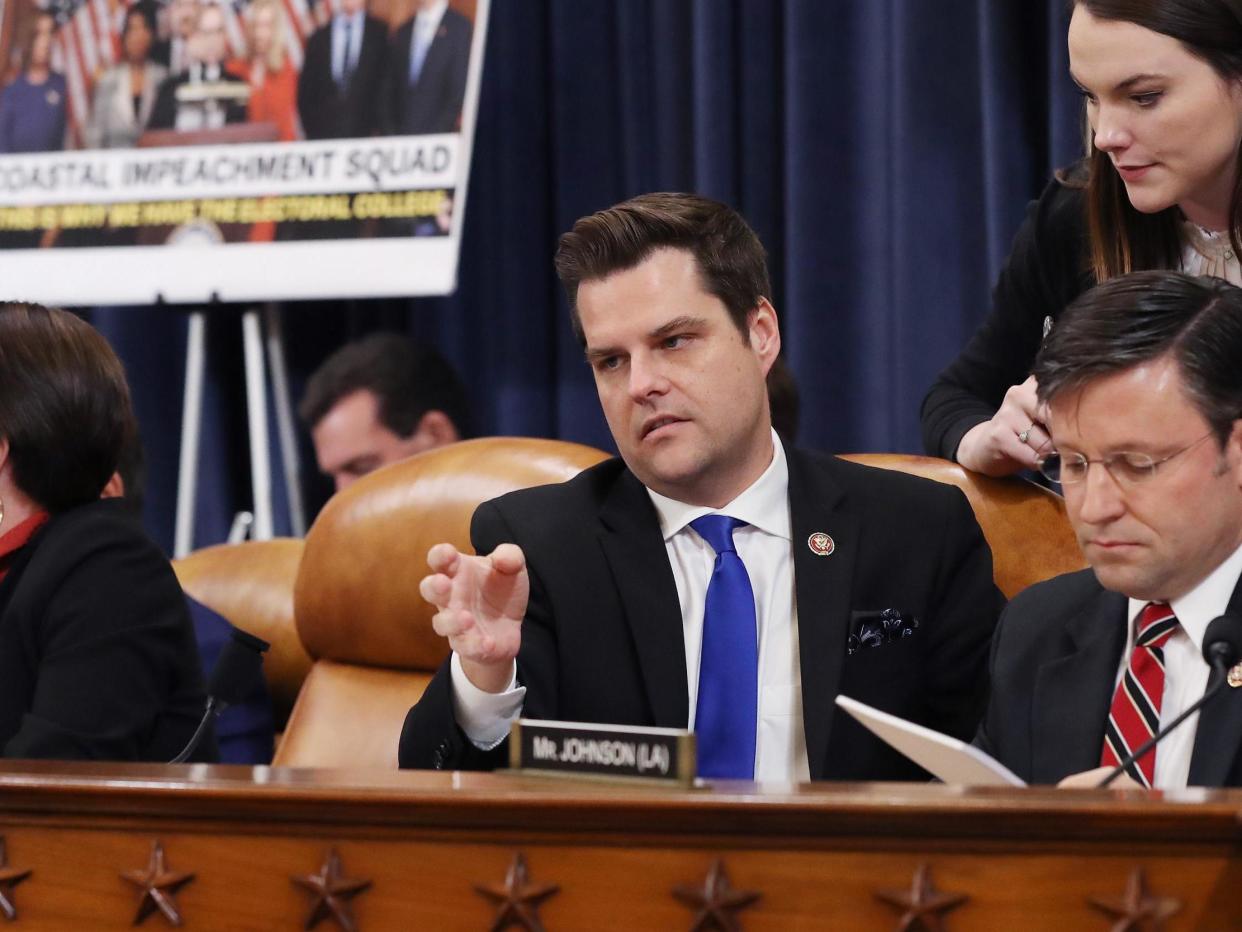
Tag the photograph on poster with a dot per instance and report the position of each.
(315, 147)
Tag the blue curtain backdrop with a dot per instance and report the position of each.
(884, 151)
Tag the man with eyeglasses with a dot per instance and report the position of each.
(1142, 384)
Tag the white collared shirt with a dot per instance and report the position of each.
(345, 60)
(766, 549)
(1185, 670)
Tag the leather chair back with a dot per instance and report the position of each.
(359, 612)
(1025, 524)
(251, 585)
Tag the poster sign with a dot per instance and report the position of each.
(247, 150)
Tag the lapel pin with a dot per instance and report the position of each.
(821, 544)
(1234, 678)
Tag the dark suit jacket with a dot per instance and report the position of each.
(602, 639)
(97, 655)
(326, 112)
(164, 112)
(433, 103)
(1054, 665)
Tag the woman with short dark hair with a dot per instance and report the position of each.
(1160, 188)
(97, 655)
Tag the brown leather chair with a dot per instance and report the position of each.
(1025, 524)
(358, 608)
(251, 584)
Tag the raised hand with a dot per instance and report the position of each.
(480, 604)
(1013, 439)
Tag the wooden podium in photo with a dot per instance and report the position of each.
(91, 846)
(233, 134)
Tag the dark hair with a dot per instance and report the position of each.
(408, 378)
(1136, 318)
(132, 467)
(730, 258)
(64, 405)
(144, 10)
(28, 40)
(1124, 239)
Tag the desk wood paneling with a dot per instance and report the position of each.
(817, 854)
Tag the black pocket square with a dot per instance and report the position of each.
(875, 629)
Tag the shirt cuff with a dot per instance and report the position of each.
(484, 717)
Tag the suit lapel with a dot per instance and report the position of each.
(1073, 693)
(638, 559)
(822, 589)
(1218, 736)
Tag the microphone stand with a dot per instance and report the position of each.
(1220, 665)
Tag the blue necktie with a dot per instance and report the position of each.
(724, 720)
(347, 69)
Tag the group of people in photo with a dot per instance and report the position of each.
(177, 69)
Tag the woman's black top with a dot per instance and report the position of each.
(97, 653)
(1048, 266)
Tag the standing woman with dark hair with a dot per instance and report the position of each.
(1161, 188)
(97, 655)
(32, 106)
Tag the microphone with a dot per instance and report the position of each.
(241, 659)
(1222, 646)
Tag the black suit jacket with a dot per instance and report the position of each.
(602, 639)
(433, 103)
(326, 112)
(1053, 668)
(97, 654)
(164, 110)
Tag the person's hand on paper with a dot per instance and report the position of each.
(1090, 779)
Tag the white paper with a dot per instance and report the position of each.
(950, 760)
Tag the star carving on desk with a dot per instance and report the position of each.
(10, 877)
(332, 892)
(1136, 910)
(517, 899)
(716, 901)
(159, 887)
(923, 906)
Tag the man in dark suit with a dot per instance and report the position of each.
(427, 64)
(339, 87)
(617, 592)
(1142, 383)
(203, 96)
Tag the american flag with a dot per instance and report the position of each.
(88, 42)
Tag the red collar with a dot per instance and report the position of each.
(17, 537)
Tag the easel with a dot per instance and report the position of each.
(263, 345)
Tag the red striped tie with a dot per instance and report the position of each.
(1135, 713)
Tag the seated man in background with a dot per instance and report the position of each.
(379, 400)
(712, 577)
(245, 730)
(1143, 380)
(97, 654)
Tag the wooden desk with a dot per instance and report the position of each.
(816, 855)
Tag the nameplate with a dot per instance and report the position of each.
(579, 749)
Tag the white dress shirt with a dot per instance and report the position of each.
(765, 547)
(1185, 670)
(345, 59)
